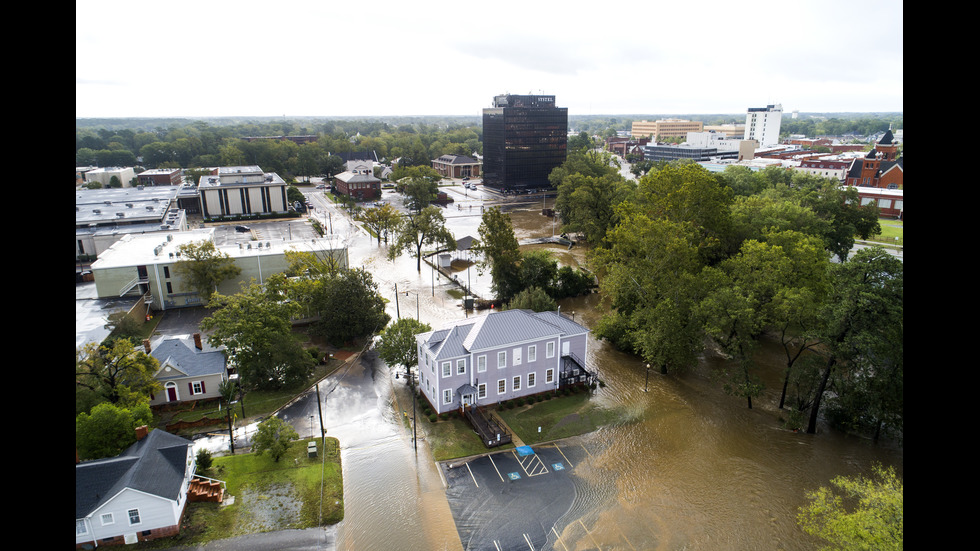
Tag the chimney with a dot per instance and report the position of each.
(141, 432)
(197, 341)
(146, 345)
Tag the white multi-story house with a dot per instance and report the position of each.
(500, 356)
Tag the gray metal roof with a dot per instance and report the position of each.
(186, 359)
(497, 329)
(154, 465)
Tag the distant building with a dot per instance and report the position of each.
(665, 128)
(762, 124)
(103, 176)
(358, 181)
(524, 138)
(242, 191)
(656, 152)
(457, 166)
(160, 177)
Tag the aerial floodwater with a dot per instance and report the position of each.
(685, 466)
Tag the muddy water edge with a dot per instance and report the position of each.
(690, 467)
(686, 467)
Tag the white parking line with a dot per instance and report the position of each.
(496, 469)
(528, 540)
(471, 475)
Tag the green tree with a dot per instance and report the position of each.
(533, 298)
(254, 327)
(117, 372)
(273, 436)
(350, 307)
(109, 429)
(499, 252)
(859, 318)
(858, 513)
(396, 344)
(381, 220)
(587, 204)
(425, 228)
(689, 193)
(649, 271)
(419, 191)
(203, 267)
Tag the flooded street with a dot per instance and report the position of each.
(687, 467)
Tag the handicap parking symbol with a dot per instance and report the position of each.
(557, 467)
(514, 476)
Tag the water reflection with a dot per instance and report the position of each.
(686, 466)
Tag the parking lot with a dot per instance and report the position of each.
(508, 501)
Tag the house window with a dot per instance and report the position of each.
(107, 519)
(80, 528)
(134, 516)
(501, 359)
(517, 382)
(501, 386)
(550, 350)
(517, 356)
(482, 390)
(166, 272)
(532, 353)
(530, 380)
(447, 369)
(481, 364)
(197, 387)
(460, 367)
(447, 396)
(549, 376)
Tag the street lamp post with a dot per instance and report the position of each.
(645, 385)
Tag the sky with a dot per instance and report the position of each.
(320, 58)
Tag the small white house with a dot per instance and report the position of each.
(138, 495)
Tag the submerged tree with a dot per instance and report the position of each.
(861, 514)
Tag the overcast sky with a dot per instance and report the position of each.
(212, 58)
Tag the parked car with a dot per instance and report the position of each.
(243, 229)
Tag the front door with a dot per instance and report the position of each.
(171, 393)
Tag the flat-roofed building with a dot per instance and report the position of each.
(160, 177)
(103, 216)
(143, 265)
(762, 124)
(665, 128)
(242, 191)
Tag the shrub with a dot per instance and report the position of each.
(204, 461)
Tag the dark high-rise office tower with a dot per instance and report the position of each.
(524, 138)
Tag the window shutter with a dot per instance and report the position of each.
(190, 388)
(202, 388)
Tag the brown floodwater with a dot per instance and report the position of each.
(685, 467)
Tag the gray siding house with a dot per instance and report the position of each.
(500, 356)
(189, 369)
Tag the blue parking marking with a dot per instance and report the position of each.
(514, 476)
(557, 466)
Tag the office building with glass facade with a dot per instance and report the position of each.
(524, 138)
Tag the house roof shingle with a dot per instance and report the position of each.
(154, 465)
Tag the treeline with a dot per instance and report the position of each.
(202, 144)
(688, 259)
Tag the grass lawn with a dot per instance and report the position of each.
(892, 231)
(267, 495)
(559, 417)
